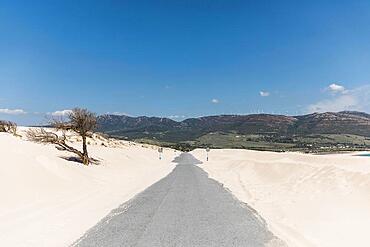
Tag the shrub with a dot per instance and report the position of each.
(8, 127)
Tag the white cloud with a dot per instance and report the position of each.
(264, 93)
(61, 113)
(215, 101)
(13, 111)
(177, 117)
(118, 113)
(357, 99)
(341, 103)
(336, 88)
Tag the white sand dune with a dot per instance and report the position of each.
(307, 200)
(49, 201)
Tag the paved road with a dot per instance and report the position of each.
(186, 208)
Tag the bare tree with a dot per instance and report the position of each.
(8, 126)
(80, 121)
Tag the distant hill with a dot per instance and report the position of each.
(346, 122)
(271, 128)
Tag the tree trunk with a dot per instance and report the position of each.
(85, 158)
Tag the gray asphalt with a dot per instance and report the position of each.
(186, 208)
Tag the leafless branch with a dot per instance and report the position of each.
(8, 126)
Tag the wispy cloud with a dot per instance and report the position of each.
(357, 99)
(215, 101)
(177, 116)
(13, 111)
(61, 113)
(118, 113)
(264, 93)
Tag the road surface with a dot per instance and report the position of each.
(186, 208)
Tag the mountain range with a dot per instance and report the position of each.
(262, 127)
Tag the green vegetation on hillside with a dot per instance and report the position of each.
(325, 132)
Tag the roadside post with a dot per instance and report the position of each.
(207, 150)
(160, 151)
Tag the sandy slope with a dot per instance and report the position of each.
(307, 200)
(49, 201)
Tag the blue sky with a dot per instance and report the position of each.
(183, 58)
